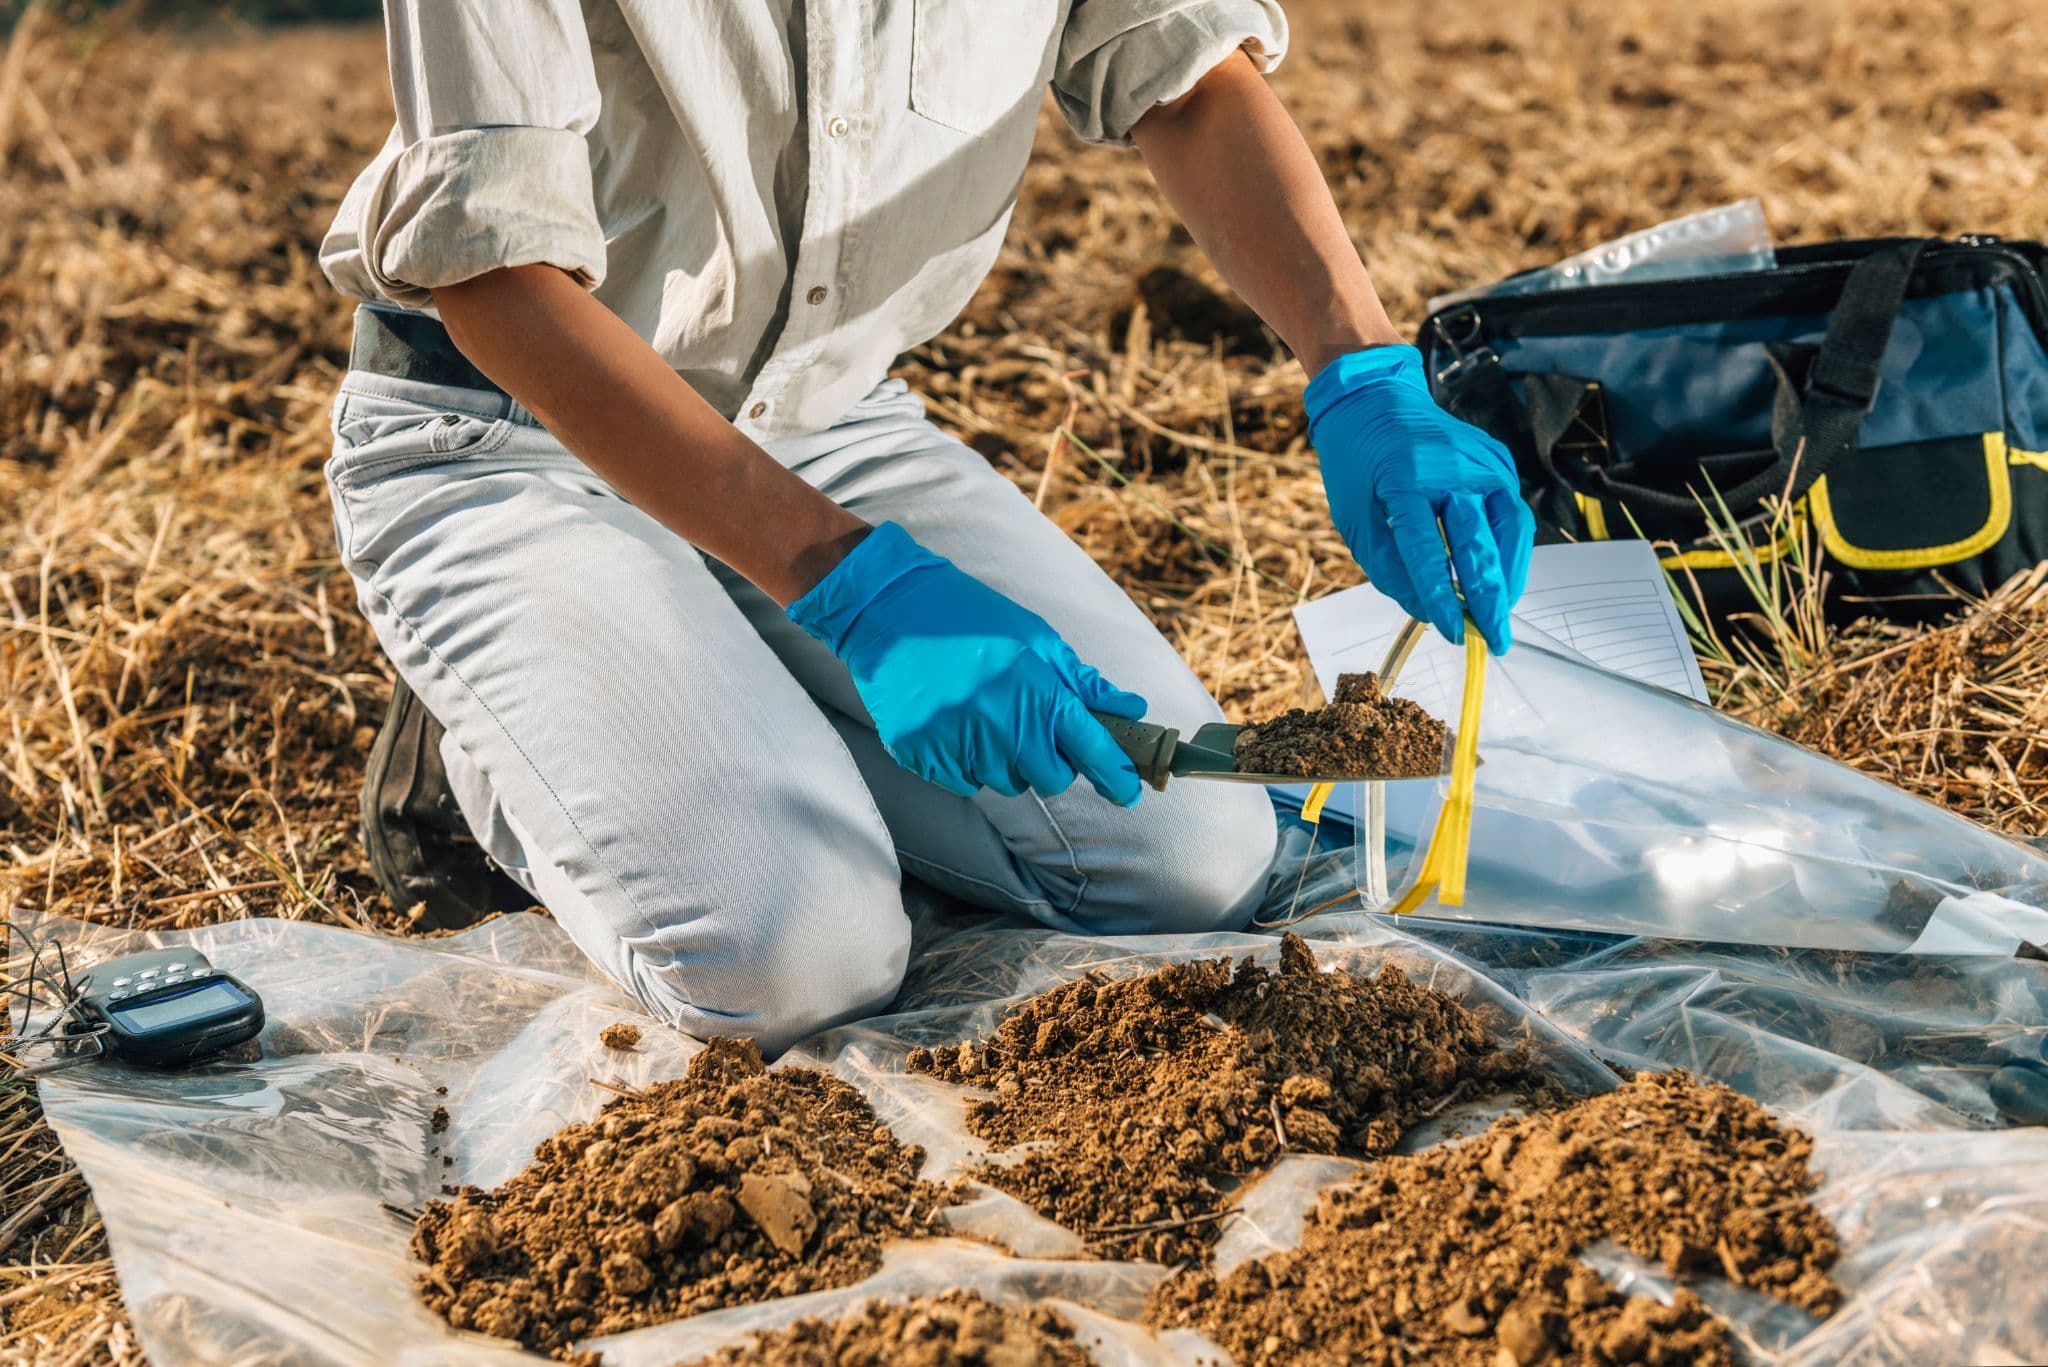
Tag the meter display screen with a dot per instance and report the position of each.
(186, 1006)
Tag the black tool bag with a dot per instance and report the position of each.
(1883, 402)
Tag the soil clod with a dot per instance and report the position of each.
(620, 1035)
(953, 1329)
(1466, 1253)
(1362, 732)
(1150, 1098)
(731, 1185)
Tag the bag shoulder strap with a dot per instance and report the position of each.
(1843, 381)
(1828, 410)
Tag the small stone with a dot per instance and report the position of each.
(1466, 1316)
(626, 1275)
(780, 1203)
(1522, 1335)
(470, 1237)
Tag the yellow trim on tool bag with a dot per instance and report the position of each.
(1726, 560)
(1998, 478)
(1596, 527)
(1998, 460)
(1595, 515)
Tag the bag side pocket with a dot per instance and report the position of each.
(1917, 505)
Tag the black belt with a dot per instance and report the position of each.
(412, 346)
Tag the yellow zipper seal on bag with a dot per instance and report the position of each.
(1312, 808)
(1443, 866)
(1312, 816)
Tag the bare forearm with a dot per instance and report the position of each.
(1235, 168)
(618, 406)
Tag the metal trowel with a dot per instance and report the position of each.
(1160, 753)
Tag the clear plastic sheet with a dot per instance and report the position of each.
(255, 1208)
(1719, 241)
(1608, 805)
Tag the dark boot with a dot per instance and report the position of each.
(420, 848)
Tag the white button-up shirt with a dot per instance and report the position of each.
(780, 195)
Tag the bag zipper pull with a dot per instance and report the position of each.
(1979, 240)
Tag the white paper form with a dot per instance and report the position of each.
(1605, 602)
(1610, 601)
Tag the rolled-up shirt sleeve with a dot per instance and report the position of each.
(1119, 59)
(488, 165)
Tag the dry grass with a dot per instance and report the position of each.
(189, 691)
(1957, 713)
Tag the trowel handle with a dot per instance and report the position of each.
(1150, 747)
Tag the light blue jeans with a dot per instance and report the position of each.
(691, 784)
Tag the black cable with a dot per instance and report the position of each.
(60, 985)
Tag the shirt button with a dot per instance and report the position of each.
(837, 126)
(757, 410)
(817, 294)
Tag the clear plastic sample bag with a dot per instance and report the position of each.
(1608, 805)
(255, 1208)
(1719, 241)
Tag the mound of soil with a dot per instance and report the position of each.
(731, 1185)
(1362, 731)
(1464, 1253)
(1148, 1098)
(953, 1329)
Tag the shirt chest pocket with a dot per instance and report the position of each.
(978, 64)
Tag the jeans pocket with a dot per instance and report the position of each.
(376, 436)
(976, 65)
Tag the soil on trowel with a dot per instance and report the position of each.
(1465, 1253)
(956, 1328)
(1148, 1099)
(1362, 731)
(731, 1185)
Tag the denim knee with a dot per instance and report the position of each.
(1200, 865)
(780, 977)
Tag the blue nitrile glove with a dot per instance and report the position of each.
(967, 689)
(1394, 465)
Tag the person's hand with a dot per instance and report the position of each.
(1395, 466)
(967, 689)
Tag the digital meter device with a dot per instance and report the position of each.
(163, 1006)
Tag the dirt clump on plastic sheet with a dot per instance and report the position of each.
(1362, 731)
(731, 1185)
(621, 1035)
(1465, 1253)
(1147, 1099)
(955, 1328)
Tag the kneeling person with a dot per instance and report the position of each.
(706, 634)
